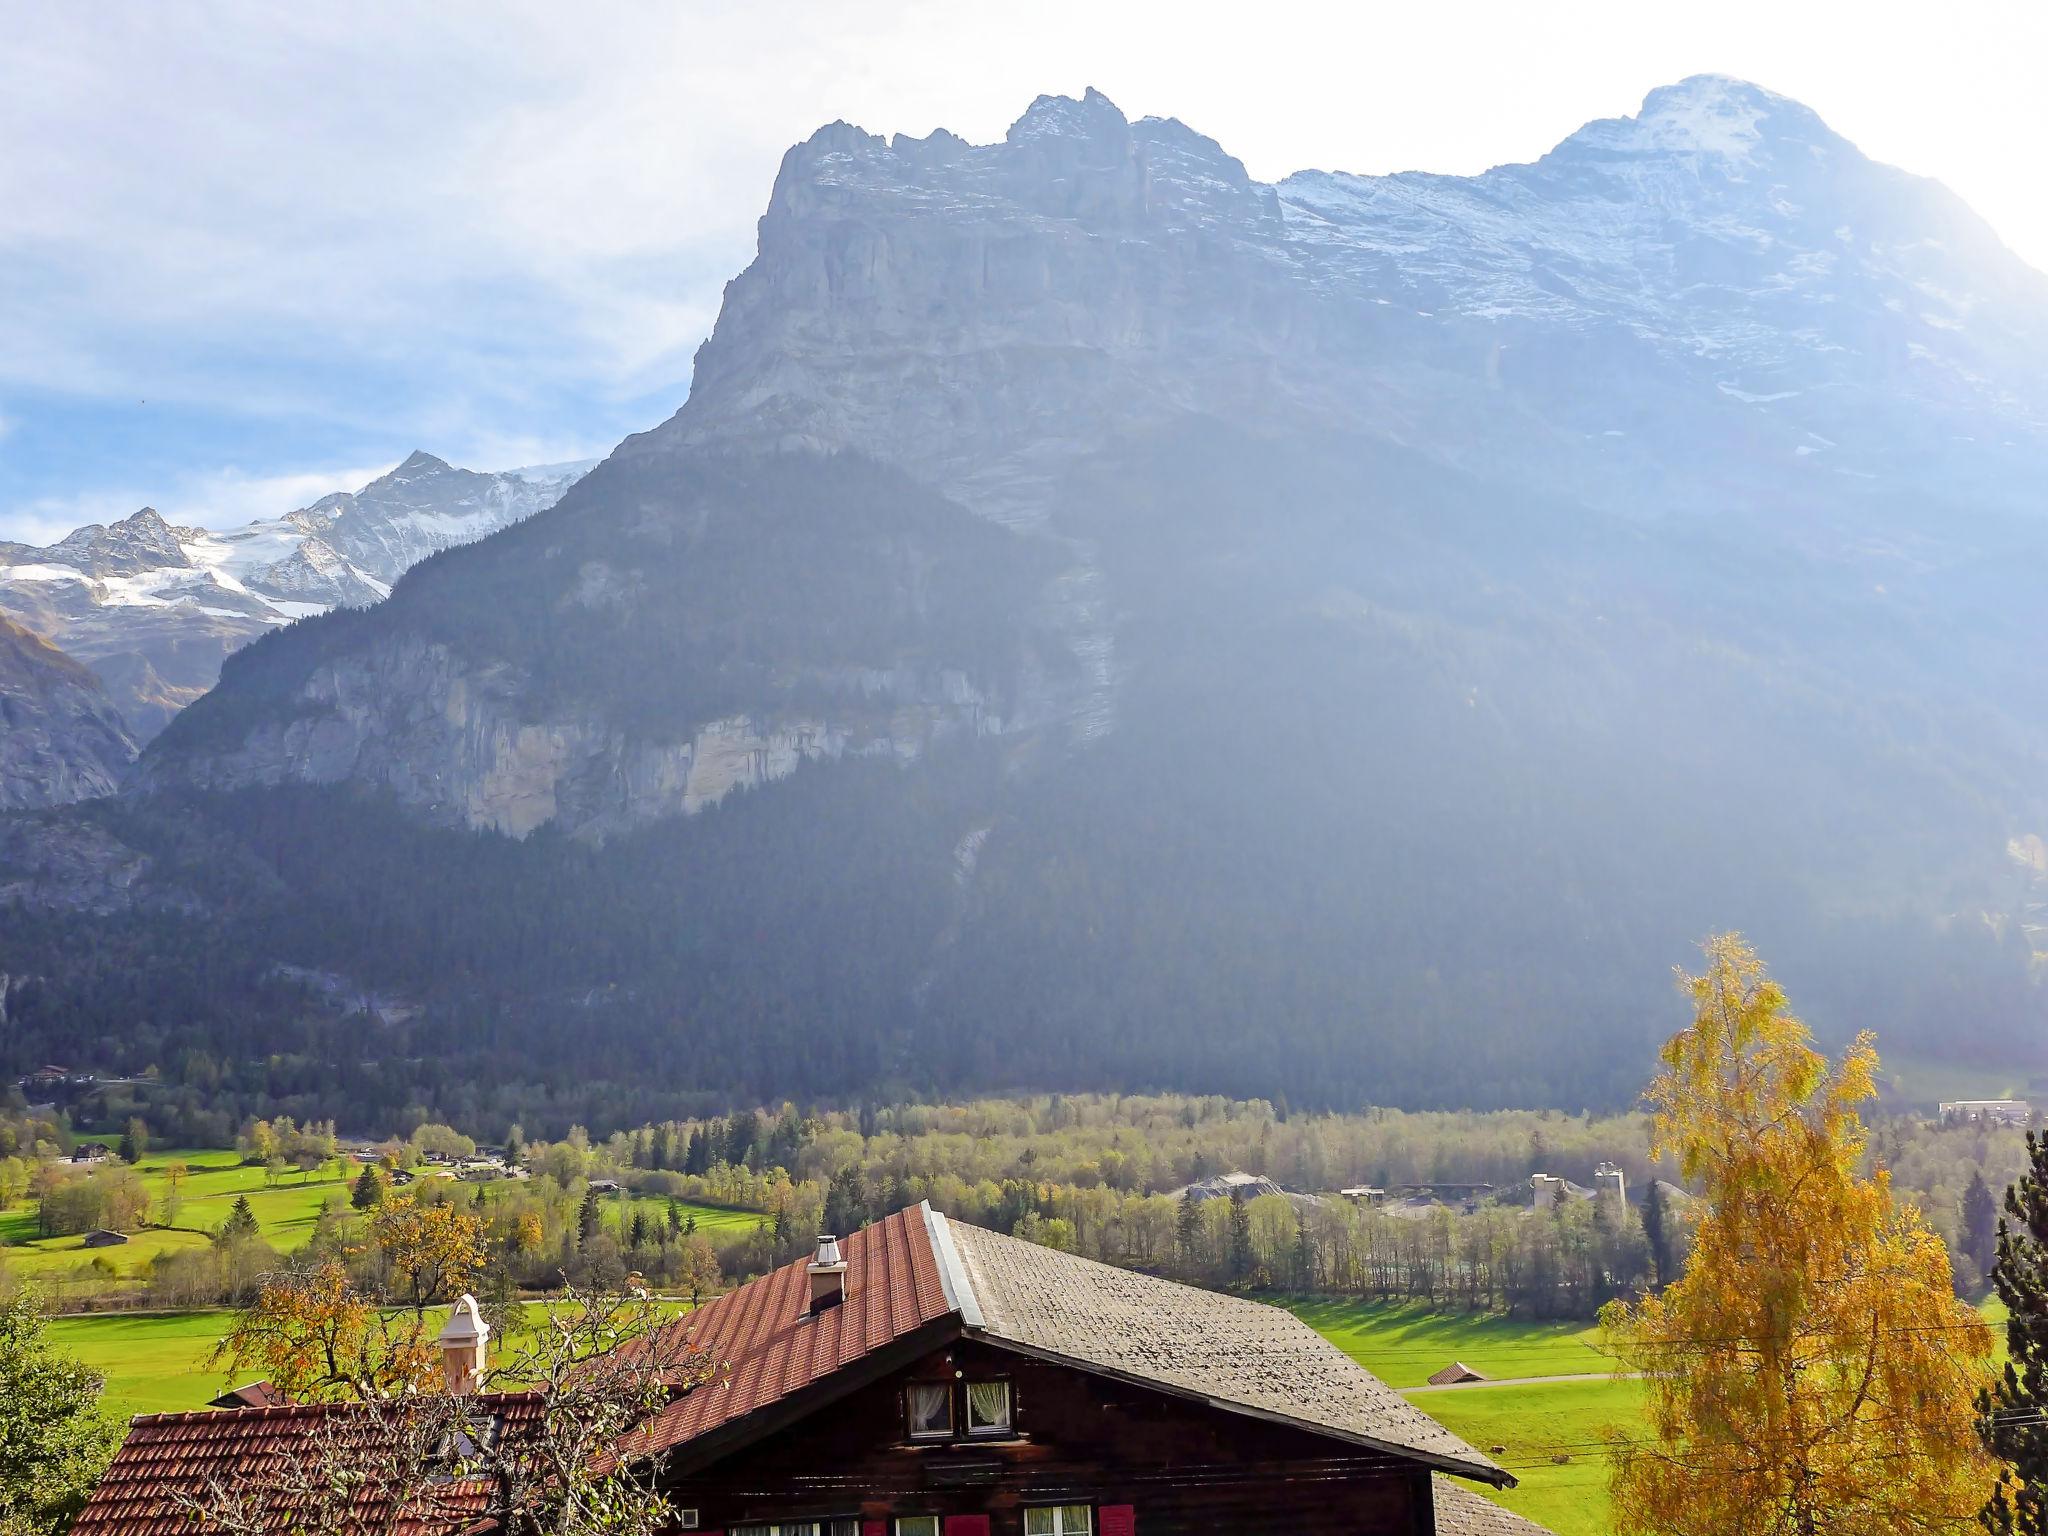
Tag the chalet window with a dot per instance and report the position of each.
(917, 1525)
(847, 1526)
(930, 1408)
(988, 1407)
(1058, 1520)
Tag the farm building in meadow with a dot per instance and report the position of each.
(100, 1237)
(1456, 1374)
(930, 1378)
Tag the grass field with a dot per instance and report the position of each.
(153, 1362)
(1537, 1423)
(714, 1221)
(285, 1213)
(1403, 1344)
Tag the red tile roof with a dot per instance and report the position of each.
(764, 1345)
(166, 1454)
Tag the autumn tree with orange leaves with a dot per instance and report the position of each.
(1813, 1371)
(313, 1333)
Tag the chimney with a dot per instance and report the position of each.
(463, 1344)
(828, 1274)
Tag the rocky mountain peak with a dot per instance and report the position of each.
(419, 462)
(140, 542)
(1709, 120)
(1092, 118)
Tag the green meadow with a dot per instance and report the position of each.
(286, 1210)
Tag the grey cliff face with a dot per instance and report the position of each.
(60, 740)
(1715, 309)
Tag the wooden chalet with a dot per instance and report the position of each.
(931, 1378)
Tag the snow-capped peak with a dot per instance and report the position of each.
(1711, 115)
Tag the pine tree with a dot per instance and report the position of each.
(2013, 1415)
(369, 1190)
(1980, 1224)
(589, 1219)
(241, 1222)
(639, 1238)
(846, 1207)
(1187, 1230)
(675, 1219)
(741, 1137)
(1241, 1257)
(1656, 1230)
(658, 1148)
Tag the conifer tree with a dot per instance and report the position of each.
(1656, 1213)
(369, 1189)
(1187, 1230)
(1240, 1237)
(241, 1222)
(1980, 1224)
(2012, 1416)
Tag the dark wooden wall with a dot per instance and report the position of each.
(1077, 1439)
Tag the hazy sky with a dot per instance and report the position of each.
(252, 253)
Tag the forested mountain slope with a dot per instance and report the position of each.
(1101, 620)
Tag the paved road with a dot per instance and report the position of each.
(1524, 1381)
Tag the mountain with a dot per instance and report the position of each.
(154, 608)
(1099, 619)
(60, 740)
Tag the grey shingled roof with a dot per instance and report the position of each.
(1461, 1512)
(1223, 1349)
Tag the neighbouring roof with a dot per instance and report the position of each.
(257, 1394)
(169, 1453)
(1461, 1512)
(1225, 1350)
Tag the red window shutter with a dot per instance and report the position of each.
(1118, 1520)
(966, 1525)
(874, 1528)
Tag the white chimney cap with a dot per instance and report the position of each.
(828, 1253)
(465, 1324)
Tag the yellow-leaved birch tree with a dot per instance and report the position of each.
(1813, 1371)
